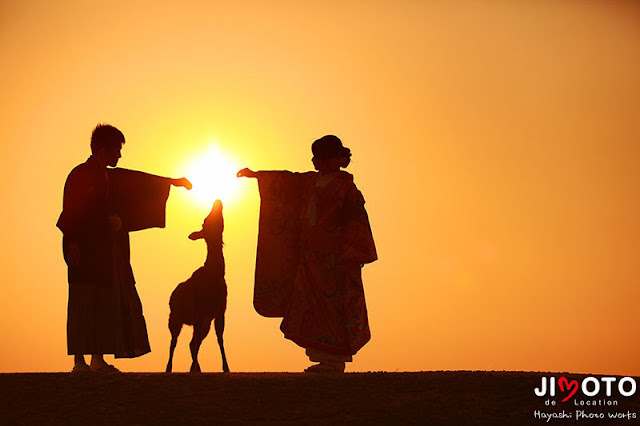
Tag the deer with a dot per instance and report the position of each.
(203, 297)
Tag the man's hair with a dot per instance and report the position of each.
(104, 136)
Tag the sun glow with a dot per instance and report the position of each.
(213, 175)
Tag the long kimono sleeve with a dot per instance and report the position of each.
(138, 198)
(358, 246)
(278, 252)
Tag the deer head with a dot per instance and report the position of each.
(213, 225)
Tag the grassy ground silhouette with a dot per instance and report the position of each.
(447, 397)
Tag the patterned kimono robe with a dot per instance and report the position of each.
(104, 311)
(313, 239)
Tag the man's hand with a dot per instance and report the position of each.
(247, 173)
(183, 182)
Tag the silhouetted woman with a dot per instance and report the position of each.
(313, 240)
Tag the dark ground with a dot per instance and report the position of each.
(454, 397)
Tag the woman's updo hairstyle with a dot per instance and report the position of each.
(330, 146)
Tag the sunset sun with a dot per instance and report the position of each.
(213, 175)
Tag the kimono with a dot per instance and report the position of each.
(104, 310)
(314, 237)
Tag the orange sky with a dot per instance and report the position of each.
(496, 143)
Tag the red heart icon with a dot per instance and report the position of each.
(563, 382)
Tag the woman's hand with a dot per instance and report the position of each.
(247, 173)
(183, 182)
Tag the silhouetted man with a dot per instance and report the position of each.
(101, 206)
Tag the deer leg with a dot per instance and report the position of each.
(174, 328)
(219, 325)
(200, 331)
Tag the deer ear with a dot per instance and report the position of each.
(196, 235)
